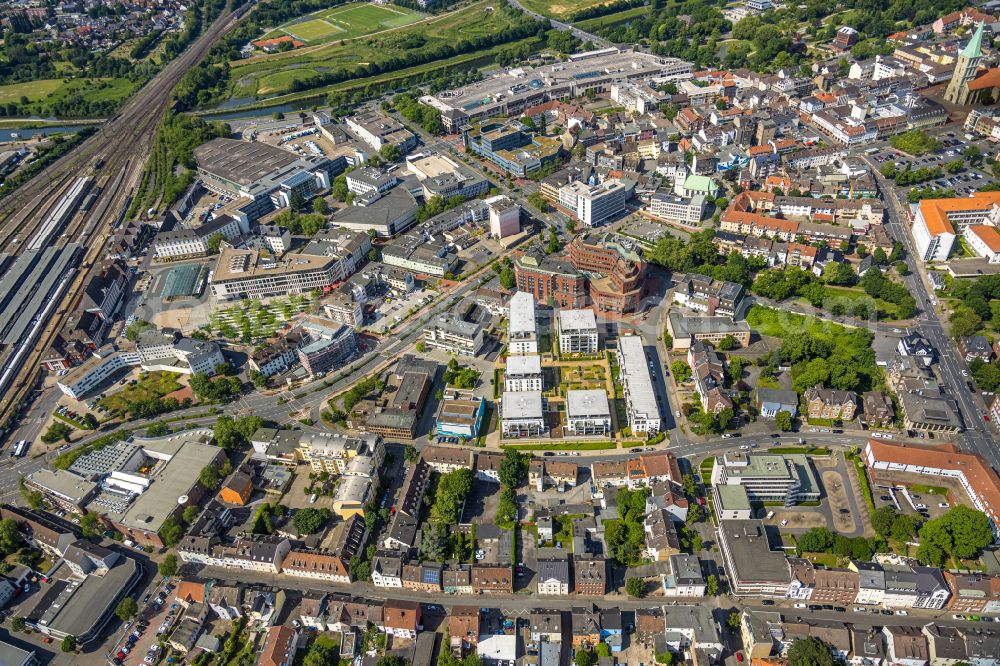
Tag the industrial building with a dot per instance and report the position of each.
(264, 176)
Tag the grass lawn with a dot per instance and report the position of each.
(563, 446)
(153, 385)
(854, 295)
(315, 30)
(612, 19)
(928, 490)
(33, 90)
(807, 450)
(705, 468)
(829, 560)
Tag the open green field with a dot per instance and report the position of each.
(561, 9)
(277, 73)
(347, 22)
(611, 20)
(153, 385)
(33, 90)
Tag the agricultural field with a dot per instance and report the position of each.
(347, 22)
(280, 72)
(33, 90)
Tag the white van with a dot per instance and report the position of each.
(312, 500)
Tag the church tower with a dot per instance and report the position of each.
(966, 67)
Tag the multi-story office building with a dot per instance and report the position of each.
(511, 146)
(938, 222)
(522, 330)
(593, 205)
(551, 280)
(637, 386)
(615, 272)
(667, 206)
(251, 274)
(377, 129)
(505, 217)
(454, 336)
(768, 478)
(443, 177)
(325, 346)
(578, 332)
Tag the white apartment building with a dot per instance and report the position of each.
(82, 380)
(522, 330)
(587, 413)
(578, 332)
(637, 386)
(523, 373)
(343, 309)
(522, 414)
(593, 205)
(454, 336)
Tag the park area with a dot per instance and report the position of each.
(562, 9)
(338, 59)
(40, 94)
(347, 22)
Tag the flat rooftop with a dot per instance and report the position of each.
(522, 405)
(733, 498)
(632, 361)
(522, 314)
(236, 264)
(590, 403)
(523, 365)
(684, 326)
(577, 320)
(750, 552)
(243, 162)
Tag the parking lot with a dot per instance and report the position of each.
(954, 144)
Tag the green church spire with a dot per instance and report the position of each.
(974, 49)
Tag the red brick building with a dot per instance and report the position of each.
(547, 278)
(616, 273)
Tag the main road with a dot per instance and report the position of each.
(977, 437)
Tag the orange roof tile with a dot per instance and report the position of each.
(979, 475)
(935, 211)
(988, 79)
(988, 234)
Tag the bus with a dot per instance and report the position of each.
(21, 448)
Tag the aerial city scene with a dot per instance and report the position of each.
(500, 333)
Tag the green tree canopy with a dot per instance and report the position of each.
(810, 651)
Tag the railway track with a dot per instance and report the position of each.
(123, 145)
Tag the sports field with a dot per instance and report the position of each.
(347, 22)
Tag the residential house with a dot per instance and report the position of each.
(401, 618)
(830, 403)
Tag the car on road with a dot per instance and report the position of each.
(784, 522)
(730, 435)
(800, 605)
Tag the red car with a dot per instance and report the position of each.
(739, 657)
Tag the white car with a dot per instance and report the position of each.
(800, 605)
(784, 522)
(859, 609)
(943, 505)
(901, 612)
(965, 373)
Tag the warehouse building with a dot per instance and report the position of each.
(265, 176)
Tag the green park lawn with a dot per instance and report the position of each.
(33, 90)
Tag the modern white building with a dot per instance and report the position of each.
(587, 413)
(593, 205)
(523, 373)
(104, 363)
(522, 330)
(668, 206)
(937, 222)
(522, 414)
(984, 240)
(454, 335)
(578, 332)
(505, 217)
(637, 385)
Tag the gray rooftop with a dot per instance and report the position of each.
(522, 405)
(591, 403)
(577, 320)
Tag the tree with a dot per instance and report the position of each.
(373, 254)
(506, 514)
(168, 567)
(68, 644)
(158, 429)
(513, 468)
(389, 152)
(127, 609)
(962, 532)
(390, 661)
(681, 371)
(324, 651)
(603, 650)
(90, 421)
(810, 651)
(882, 520)
(214, 241)
(18, 624)
(190, 514)
(90, 525)
(584, 658)
(712, 585)
(258, 379)
(727, 343)
(209, 477)
(635, 587)
(689, 484)
(666, 657)
(310, 520)
(171, 531)
(320, 206)
(339, 188)
(783, 421)
(733, 620)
